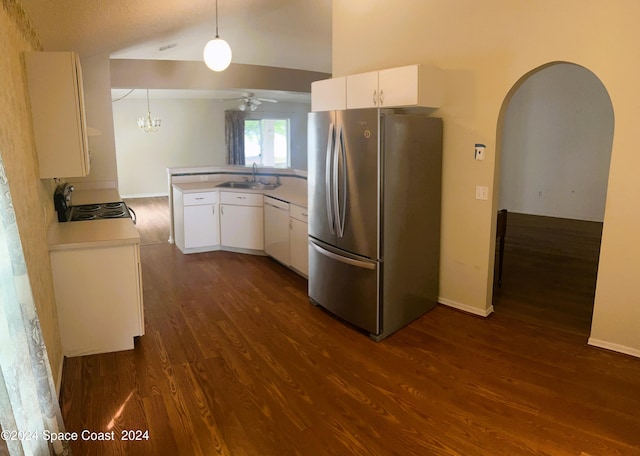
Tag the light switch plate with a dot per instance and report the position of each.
(482, 192)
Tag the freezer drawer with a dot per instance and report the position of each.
(346, 286)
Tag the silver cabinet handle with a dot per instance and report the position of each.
(304, 214)
(375, 98)
(213, 210)
(199, 197)
(221, 210)
(241, 197)
(381, 97)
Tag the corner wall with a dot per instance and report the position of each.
(485, 48)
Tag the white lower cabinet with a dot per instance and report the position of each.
(298, 239)
(241, 220)
(276, 229)
(197, 221)
(99, 298)
(244, 222)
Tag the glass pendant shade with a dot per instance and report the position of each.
(217, 54)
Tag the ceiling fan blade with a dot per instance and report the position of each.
(269, 100)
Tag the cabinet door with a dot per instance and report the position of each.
(87, 276)
(201, 226)
(399, 86)
(276, 230)
(362, 90)
(413, 85)
(328, 95)
(57, 108)
(299, 246)
(242, 227)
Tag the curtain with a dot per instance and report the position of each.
(234, 136)
(28, 400)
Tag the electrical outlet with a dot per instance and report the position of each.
(482, 192)
(479, 151)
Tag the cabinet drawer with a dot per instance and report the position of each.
(192, 199)
(276, 203)
(298, 213)
(241, 199)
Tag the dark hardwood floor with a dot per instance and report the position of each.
(550, 269)
(236, 361)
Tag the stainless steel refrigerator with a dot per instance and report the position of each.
(374, 181)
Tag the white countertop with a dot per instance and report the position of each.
(92, 233)
(291, 192)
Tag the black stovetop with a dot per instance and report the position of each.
(69, 213)
(117, 209)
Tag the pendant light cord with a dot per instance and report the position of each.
(217, 36)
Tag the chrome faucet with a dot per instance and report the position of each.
(255, 168)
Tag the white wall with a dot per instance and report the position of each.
(192, 134)
(556, 145)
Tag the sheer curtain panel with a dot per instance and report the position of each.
(28, 400)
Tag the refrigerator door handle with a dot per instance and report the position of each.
(342, 259)
(342, 215)
(328, 180)
(336, 196)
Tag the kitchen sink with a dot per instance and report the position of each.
(249, 185)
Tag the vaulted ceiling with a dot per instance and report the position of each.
(281, 33)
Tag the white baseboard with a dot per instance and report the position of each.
(144, 195)
(614, 347)
(466, 308)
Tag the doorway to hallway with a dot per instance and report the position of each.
(557, 132)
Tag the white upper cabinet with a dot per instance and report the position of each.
(329, 94)
(413, 85)
(57, 107)
(362, 90)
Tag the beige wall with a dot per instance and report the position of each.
(32, 197)
(97, 99)
(485, 48)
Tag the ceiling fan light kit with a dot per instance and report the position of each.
(249, 102)
(217, 52)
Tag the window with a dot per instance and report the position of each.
(266, 142)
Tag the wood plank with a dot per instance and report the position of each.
(550, 271)
(236, 361)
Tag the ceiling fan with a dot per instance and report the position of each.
(248, 101)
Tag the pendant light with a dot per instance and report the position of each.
(217, 52)
(149, 124)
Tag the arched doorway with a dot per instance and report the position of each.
(556, 132)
